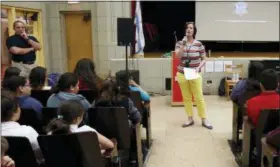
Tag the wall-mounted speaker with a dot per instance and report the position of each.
(125, 31)
(87, 17)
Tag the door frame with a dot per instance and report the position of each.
(63, 34)
(11, 19)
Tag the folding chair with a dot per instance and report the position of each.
(21, 152)
(41, 95)
(72, 150)
(30, 117)
(268, 120)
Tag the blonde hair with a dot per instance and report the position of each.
(18, 21)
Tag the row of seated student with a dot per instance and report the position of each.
(111, 94)
(67, 89)
(87, 80)
(259, 91)
(71, 114)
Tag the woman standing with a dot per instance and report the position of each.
(192, 55)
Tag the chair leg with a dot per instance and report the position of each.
(234, 125)
(246, 145)
(139, 146)
(149, 131)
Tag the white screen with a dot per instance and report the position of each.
(237, 21)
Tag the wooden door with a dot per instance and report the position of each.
(78, 38)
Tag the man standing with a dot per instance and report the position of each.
(22, 48)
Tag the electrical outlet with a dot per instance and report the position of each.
(209, 81)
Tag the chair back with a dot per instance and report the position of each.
(71, 150)
(21, 152)
(48, 115)
(278, 159)
(41, 95)
(112, 122)
(268, 121)
(30, 117)
(135, 96)
(90, 95)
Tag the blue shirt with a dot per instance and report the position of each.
(29, 102)
(238, 90)
(55, 99)
(144, 96)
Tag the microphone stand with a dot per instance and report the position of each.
(175, 36)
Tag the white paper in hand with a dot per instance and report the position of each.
(190, 74)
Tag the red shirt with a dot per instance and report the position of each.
(266, 100)
(82, 84)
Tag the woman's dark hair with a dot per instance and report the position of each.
(11, 71)
(58, 127)
(4, 146)
(123, 83)
(194, 28)
(68, 111)
(110, 91)
(85, 69)
(37, 77)
(65, 82)
(254, 70)
(12, 83)
(9, 105)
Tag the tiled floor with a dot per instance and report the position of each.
(194, 146)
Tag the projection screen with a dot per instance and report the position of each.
(237, 21)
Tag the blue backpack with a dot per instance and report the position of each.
(53, 78)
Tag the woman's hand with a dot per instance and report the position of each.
(6, 161)
(132, 83)
(180, 47)
(197, 69)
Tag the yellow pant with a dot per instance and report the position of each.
(189, 88)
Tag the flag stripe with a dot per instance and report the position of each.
(139, 35)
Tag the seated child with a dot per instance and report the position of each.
(10, 114)
(268, 99)
(71, 114)
(111, 97)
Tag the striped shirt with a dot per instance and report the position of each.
(192, 55)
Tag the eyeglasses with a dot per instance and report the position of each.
(19, 27)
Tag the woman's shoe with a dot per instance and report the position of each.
(187, 124)
(207, 125)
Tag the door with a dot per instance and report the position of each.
(78, 34)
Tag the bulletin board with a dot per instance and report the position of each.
(32, 27)
(176, 97)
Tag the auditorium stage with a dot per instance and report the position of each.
(156, 72)
(226, 54)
